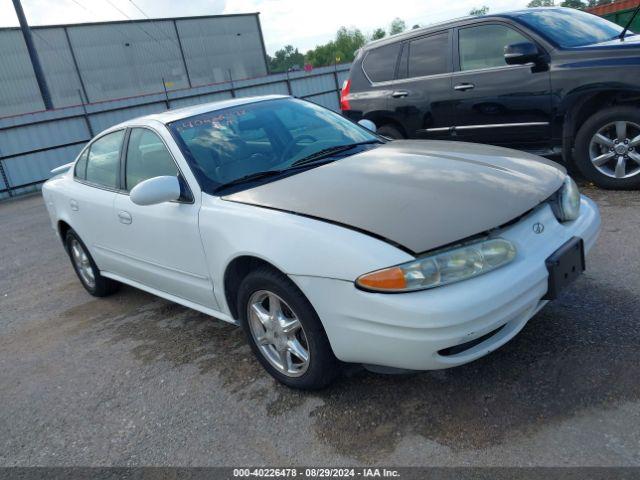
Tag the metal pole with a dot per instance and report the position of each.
(166, 94)
(33, 54)
(232, 90)
(86, 116)
(184, 61)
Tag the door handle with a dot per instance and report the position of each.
(400, 94)
(74, 205)
(464, 86)
(125, 217)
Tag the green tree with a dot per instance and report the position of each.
(577, 4)
(479, 10)
(541, 3)
(340, 50)
(285, 58)
(378, 33)
(397, 26)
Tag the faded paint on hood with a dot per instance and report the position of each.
(418, 194)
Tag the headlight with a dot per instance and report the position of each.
(441, 268)
(566, 202)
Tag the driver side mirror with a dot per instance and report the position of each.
(521, 53)
(368, 124)
(156, 190)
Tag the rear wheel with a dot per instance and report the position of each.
(284, 331)
(390, 131)
(607, 148)
(86, 268)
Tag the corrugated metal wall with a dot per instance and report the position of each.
(123, 59)
(33, 144)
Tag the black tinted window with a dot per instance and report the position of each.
(483, 46)
(569, 27)
(81, 165)
(380, 63)
(103, 161)
(147, 157)
(429, 55)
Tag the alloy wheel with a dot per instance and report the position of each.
(278, 333)
(82, 263)
(614, 149)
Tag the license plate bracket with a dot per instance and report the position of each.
(564, 266)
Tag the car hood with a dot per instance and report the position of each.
(419, 195)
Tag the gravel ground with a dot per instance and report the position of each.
(136, 380)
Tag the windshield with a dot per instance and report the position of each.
(226, 145)
(570, 28)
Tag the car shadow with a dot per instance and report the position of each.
(579, 352)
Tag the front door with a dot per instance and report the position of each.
(496, 103)
(159, 245)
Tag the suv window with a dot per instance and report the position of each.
(147, 157)
(103, 160)
(483, 46)
(380, 63)
(81, 165)
(429, 55)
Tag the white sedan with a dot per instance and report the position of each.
(324, 241)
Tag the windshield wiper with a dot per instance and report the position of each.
(327, 152)
(250, 177)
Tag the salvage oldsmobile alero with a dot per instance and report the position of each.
(326, 242)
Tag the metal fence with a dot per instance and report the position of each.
(32, 144)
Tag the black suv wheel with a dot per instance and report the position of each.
(607, 148)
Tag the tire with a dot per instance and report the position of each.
(604, 122)
(390, 131)
(261, 286)
(100, 286)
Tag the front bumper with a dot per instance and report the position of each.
(408, 330)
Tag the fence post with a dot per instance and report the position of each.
(335, 78)
(232, 90)
(86, 116)
(5, 179)
(166, 94)
(288, 83)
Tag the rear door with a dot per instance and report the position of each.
(92, 194)
(159, 245)
(419, 97)
(494, 102)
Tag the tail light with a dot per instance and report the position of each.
(344, 102)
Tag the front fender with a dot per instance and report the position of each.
(294, 244)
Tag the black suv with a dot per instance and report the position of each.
(548, 80)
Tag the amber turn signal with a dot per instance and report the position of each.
(388, 279)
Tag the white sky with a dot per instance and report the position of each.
(302, 23)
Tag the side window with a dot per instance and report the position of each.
(147, 157)
(429, 55)
(380, 63)
(103, 160)
(483, 46)
(81, 165)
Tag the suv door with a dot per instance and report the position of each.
(159, 245)
(498, 103)
(420, 94)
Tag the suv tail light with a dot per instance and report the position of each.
(344, 103)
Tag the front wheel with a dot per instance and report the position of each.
(284, 331)
(607, 148)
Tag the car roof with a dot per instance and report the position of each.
(184, 112)
(450, 23)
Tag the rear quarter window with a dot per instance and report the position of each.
(380, 63)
